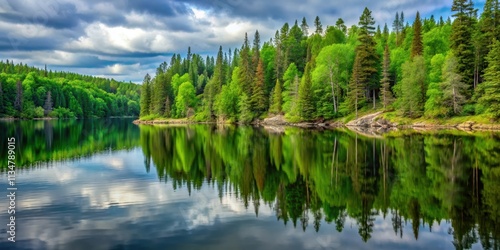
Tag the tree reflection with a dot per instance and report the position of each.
(310, 176)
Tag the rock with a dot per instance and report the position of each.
(365, 121)
(466, 125)
(275, 120)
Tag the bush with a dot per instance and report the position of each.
(62, 113)
(469, 109)
(150, 117)
(39, 112)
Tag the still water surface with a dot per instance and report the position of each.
(109, 184)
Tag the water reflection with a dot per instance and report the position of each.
(308, 177)
(39, 142)
(108, 184)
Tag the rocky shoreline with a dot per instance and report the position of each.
(371, 122)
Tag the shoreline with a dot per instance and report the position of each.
(368, 122)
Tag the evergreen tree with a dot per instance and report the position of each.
(318, 25)
(258, 100)
(355, 98)
(18, 104)
(385, 81)
(453, 87)
(490, 100)
(396, 27)
(146, 96)
(48, 103)
(402, 25)
(276, 100)
(461, 39)
(488, 29)
(417, 46)
(159, 90)
(2, 108)
(246, 69)
(296, 50)
(340, 24)
(304, 27)
(256, 50)
(290, 87)
(278, 65)
(306, 104)
(368, 57)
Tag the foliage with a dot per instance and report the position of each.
(24, 88)
(330, 73)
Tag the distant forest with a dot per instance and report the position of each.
(28, 92)
(435, 68)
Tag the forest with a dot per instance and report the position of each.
(28, 92)
(434, 68)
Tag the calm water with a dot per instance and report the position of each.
(109, 184)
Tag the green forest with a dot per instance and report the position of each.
(434, 68)
(27, 92)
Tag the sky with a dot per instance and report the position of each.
(125, 39)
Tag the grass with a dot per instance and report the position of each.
(394, 117)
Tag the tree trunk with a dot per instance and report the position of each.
(373, 99)
(333, 92)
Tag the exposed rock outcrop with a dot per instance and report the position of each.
(371, 120)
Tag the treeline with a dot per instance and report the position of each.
(29, 92)
(433, 68)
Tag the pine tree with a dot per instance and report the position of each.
(385, 34)
(276, 101)
(318, 25)
(453, 87)
(340, 24)
(48, 103)
(18, 104)
(304, 27)
(461, 39)
(402, 25)
(306, 104)
(487, 30)
(159, 90)
(256, 50)
(246, 69)
(1, 99)
(355, 98)
(219, 72)
(294, 95)
(290, 88)
(417, 46)
(278, 65)
(368, 57)
(386, 82)
(258, 100)
(490, 100)
(397, 28)
(146, 96)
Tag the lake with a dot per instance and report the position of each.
(109, 184)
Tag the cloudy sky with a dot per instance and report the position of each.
(125, 39)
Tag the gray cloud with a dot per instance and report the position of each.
(132, 32)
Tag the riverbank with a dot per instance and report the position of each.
(381, 121)
(392, 120)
